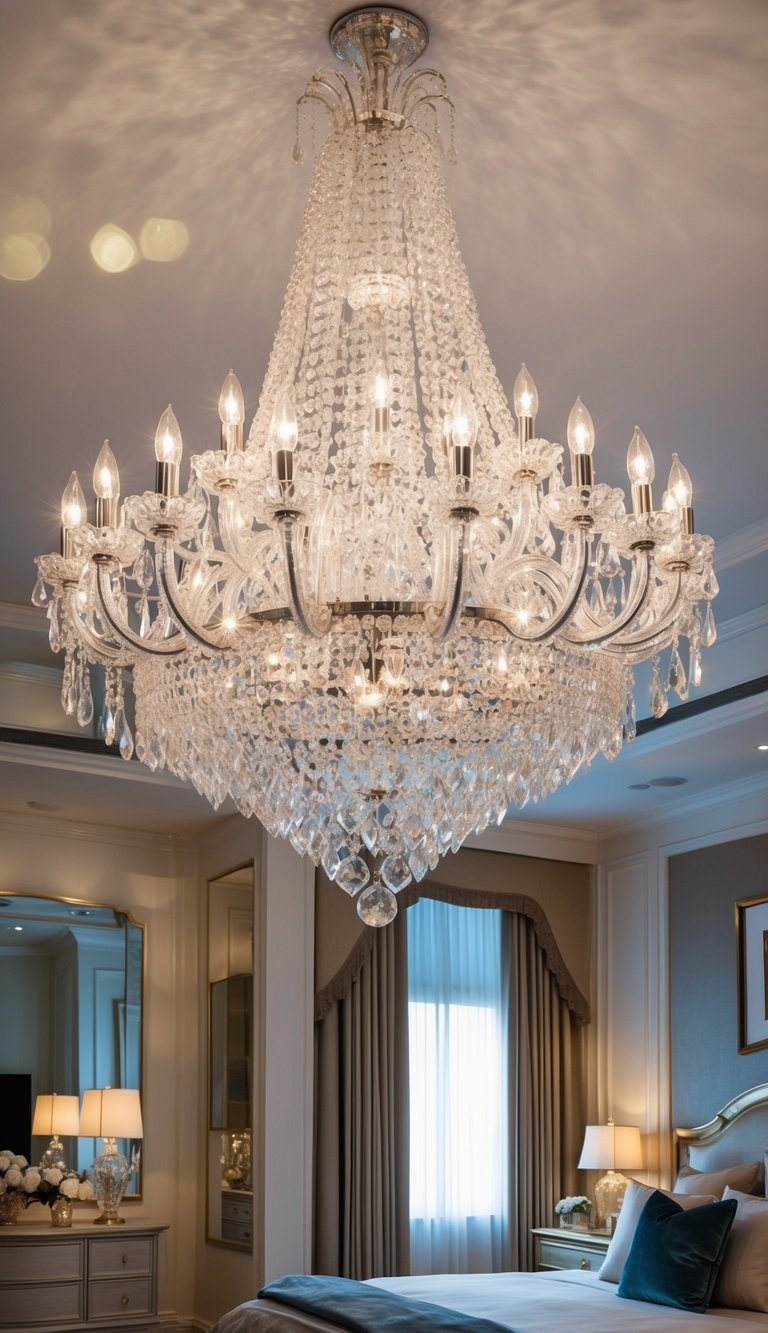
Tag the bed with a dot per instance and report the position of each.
(560, 1302)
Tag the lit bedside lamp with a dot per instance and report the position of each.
(607, 1148)
(55, 1115)
(111, 1114)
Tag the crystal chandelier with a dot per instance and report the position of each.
(394, 612)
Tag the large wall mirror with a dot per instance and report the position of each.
(231, 1044)
(70, 995)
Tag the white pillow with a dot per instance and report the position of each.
(742, 1283)
(635, 1199)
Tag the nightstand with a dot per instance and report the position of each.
(556, 1247)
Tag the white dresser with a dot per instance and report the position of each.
(79, 1277)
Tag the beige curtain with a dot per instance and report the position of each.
(361, 1217)
(545, 1088)
(361, 1110)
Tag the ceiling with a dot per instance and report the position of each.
(610, 200)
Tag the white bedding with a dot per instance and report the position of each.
(526, 1302)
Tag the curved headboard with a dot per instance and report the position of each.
(737, 1134)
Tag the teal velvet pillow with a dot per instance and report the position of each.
(676, 1252)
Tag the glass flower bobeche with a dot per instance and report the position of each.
(396, 611)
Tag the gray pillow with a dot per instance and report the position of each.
(743, 1178)
(635, 1199)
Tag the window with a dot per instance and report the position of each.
(457, 1083)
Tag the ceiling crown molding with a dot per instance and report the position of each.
(742, 545)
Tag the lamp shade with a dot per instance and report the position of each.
(56, 1114)
(113, 1113)
(611, 1148)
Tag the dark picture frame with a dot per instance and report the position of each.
(752, 956)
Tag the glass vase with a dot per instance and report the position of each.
(574, 1221)
(62, 1212)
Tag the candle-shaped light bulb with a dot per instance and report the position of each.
(168, 454)
(231, 402)
(679, 484)
(284, 430)
(581, 429)
(640, 464)
(581, 442)
(106, 478)
(380, 385)
(73, 506)
(526, 396)
(106, 484)
(73, 513)
(680, 488)
(641, 469)
(463, 425)
(168, 438)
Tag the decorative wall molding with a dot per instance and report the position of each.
(550, 842)
(29, 618)
(47, 826)
(742, 545)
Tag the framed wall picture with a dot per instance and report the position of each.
(752, 948)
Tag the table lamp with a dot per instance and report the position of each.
(55, 1114)
(606, 1148)
(111, 1114)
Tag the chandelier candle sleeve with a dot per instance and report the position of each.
(385, 615)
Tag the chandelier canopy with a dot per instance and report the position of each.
(396, 611)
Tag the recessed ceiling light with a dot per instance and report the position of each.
(81, 911)
(761, 747)
(639, 786)
(17, 927)
(668, 782)
(43, 805)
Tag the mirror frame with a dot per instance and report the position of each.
(238, 1246)
(137, 1196)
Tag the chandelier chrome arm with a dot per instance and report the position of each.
(313, 626)
(166, 573)
(656, 637)
(119, 627)
(98, 646)
(563, 616)
(636, 604)
(440, 621)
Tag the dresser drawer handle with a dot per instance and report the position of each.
(585, 1263)
(124, 1300)
(125, 1258)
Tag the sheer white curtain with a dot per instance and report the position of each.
(458, 1114)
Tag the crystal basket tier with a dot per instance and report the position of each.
(394, 612)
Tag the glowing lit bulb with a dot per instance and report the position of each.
(463, 419)
(380, 385)
(463, 426)
(73, 514)
(679, 484)
(231, 403)
(526, 397)
(106, 478)
(285, 426)
(284, 430)
(640, 465)
(168, 439)
(168, 454)
(581, 429)
(73, 507)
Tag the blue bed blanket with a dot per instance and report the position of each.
(363, 1309)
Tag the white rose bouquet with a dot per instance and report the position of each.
(54, 1184)
(574, 1203)
(17, 1177)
